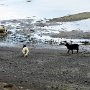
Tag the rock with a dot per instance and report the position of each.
(3, 31)
(10, 87)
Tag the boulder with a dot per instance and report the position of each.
(3, 31)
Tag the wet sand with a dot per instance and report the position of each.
(45, 68)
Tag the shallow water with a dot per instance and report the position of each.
(41, 8)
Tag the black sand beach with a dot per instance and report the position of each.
(45, 68)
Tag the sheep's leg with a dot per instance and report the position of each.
(68, 51)
(77, 50)
(72, 51)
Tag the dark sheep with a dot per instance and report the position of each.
(72, 47)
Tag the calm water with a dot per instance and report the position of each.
(41, 8)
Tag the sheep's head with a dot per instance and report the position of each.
(65, 43)
(24, 45)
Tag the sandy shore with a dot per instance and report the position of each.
(45, 68)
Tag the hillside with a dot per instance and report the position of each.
(70, 18)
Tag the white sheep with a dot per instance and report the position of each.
(25, 50)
